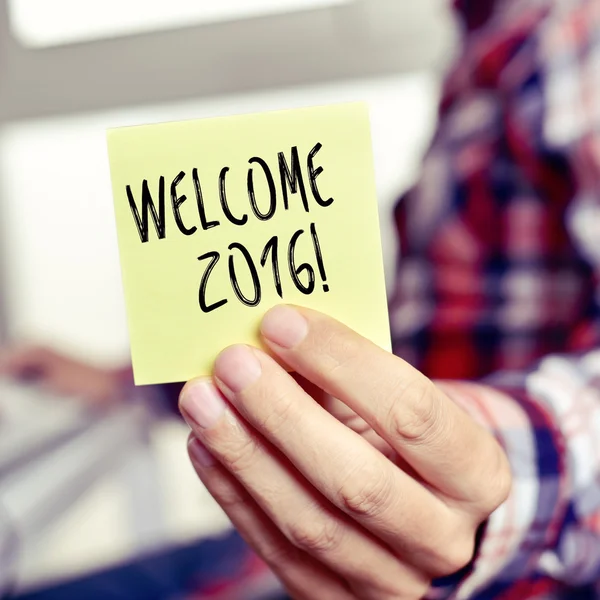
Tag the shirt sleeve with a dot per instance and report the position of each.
(548, 531)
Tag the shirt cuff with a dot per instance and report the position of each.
(528, 522)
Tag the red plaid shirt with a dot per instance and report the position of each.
(498, 276)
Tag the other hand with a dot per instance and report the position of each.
(63, 375)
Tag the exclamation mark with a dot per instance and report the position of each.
(315, 239)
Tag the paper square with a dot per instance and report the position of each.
(293, 193)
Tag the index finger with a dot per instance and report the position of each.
(436, 437)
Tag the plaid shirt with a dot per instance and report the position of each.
(498, 280)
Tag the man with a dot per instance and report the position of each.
(497, 280)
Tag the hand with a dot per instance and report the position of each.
(373, 505)
(63, 375)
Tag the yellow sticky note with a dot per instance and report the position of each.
(221, 219)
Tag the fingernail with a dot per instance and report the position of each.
(202, 403)
(284, 326)
(237, 367)
(199, 453)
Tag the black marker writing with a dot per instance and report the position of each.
(272, 192)
(253, 274)
(295, 272)
(223, 197)
(214, 259)
(205, 224)
(272, 247)
(294, 263)
(292, 179)
(319, 256)
(301, 276)
(148, 205)
(313, 174)
(176, 202)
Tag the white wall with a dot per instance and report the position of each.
(62, 277)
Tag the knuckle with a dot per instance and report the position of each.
(281, 411)
(453, 549)
(315, 536)
(366, 496)
(229, 500)
(239, 453)
(414, 416)
(336, 349)
(456, 555)
(278, 555)
(499, 486)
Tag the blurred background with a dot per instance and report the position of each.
(82, 491)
